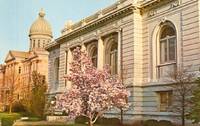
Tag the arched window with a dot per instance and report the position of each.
(167, 49)
(111, 53)
(113, 58)
(94, 56)
(167, 44)
(56, 69)
(92, 51)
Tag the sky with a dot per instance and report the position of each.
(16, 17)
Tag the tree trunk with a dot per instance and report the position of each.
(121, 115)
(10, 108)
(183, 118)
(183, 111)
(90, 122)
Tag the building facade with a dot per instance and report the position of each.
(16, 72)
(141, 40)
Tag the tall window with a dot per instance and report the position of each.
(66, 61)
(94, 56)
(43, 43)
(56, 66)
(167, 44)
(165, 100)
(111, 52)
(19, 70)
(113, 58)
(92, 51)
(33, 43)
(38, 43)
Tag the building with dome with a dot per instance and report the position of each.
(15, 73)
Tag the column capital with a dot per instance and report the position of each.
(98, 34)
(67, 48)
(119, 29)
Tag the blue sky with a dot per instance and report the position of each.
(16, 17)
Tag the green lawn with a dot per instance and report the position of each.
(8, 119)
(87, 125)
(7, 115)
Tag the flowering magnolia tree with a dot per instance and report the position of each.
(93, 91)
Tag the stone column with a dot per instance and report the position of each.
(83, 47)
(119, 57)
(69, 60)
(100, 55)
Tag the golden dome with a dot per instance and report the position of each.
(40, 26)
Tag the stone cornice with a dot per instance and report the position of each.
(96, 22)
(143, 4)
(120, 8)
(92, 18)
(51, 45)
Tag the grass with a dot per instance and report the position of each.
(84, 125)
(8, 119)
(12, 115)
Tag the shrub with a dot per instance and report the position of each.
(108, 121)
(7, 121)
(165, 123)
(114, 121)
(81, 119)
(137, 123)
(101, 120)
(150, 122)
(18, 107)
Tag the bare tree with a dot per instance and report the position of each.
(12, 86)
(38, 90)
(123, 77)
(183, 85)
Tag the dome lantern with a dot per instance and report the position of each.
(42, 13)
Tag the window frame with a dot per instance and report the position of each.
(167, 62)
(113, 59)
(168, 48)
(91, 47)
(109, 41)
(56, 69)
(168, 104)
(66, 61)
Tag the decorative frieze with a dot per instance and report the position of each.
(112, 11)
(152, 13)
(163, 20)
(174, 4)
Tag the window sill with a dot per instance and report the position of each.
(166, 64)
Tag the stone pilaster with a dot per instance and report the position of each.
(69, 60)
(100, 63)
(119, 52)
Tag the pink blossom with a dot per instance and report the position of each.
(93, 91)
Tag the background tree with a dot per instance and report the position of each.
(11, 87)
(183, 85)
(123, 77)
(37, 101)
(93, 91)
(195, 109)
